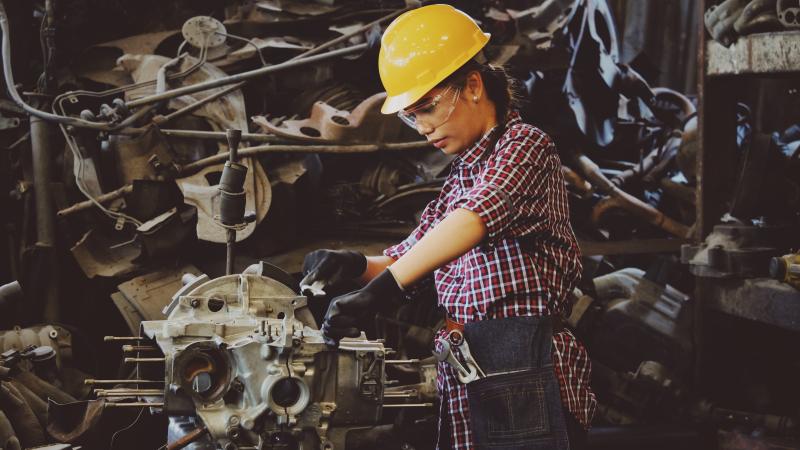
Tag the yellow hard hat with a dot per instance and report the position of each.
(422, 47)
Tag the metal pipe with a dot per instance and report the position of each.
(145, 360)
(86, 204)
(617, 198)
(90, 381)
(134, 405)
(220, 136)
(402, 361)
(244, 76)
(121, 338)
(290, 148)
(409, 405)
(347, 36)
(138, 348)
(187, 439)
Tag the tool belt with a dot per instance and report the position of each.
(450, 324)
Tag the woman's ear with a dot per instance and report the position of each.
(473, 87)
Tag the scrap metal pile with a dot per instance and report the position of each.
(114, 148)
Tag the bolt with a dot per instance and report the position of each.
(233, 420)
(53, 334)
(194, 303)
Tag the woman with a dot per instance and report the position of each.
(497, 241)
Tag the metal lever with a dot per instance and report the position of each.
(231, 186)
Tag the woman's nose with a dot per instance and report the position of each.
(424, 129)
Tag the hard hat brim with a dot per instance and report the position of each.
(395, 103)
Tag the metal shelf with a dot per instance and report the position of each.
(762, 53)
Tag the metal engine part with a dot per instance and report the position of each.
(243, 354)
(52, 336)
(734, 250)
(789, 13)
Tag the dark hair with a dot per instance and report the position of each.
(500, 87)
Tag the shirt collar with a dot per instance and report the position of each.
(480, 148)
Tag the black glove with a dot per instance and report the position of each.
(332, 267)
(379, 295)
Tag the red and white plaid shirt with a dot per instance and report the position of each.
(518, 190)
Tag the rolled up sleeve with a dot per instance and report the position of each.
(512, 189)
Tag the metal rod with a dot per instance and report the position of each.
(138, 348)
(187, 439)
(401, 361)
(145, 360)
(347, 36)
(135, 405)
(122, 338)
(198, 104)
(399, 394)
(84, 205)
(245, 76)
(220, 136)
(263, 149)
(409, 405)
(90, 381)
(129, 394)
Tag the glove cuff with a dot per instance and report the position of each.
(356, 261)
(385, 285)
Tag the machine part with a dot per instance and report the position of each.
(211, 84)
(21, 416)
(204, 31)
(734, 250)
(145, 297)
(329, 149)
(226, 113)
(591, 82)
(733, 18)
(646, 394)
(789, 13)
(54, 337)
(365, 124)
(242, 353)
(231, 188)
(98, 255)
(10, 293)
(759, 299)
(642, 320)
(786, 269)
(617, 198)
(199, 192)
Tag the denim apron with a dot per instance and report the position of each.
(518, 405)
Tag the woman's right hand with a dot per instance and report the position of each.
(328, 268)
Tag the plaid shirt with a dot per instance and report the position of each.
(518, 190)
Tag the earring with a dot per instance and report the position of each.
(475, 98)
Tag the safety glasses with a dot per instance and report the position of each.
(432, 112)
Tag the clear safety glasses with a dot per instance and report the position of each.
(433, 112)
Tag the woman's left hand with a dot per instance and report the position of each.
(379, 295)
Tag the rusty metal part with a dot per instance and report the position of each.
(583, 187)
(187, 439)
(69, 421)
(21, 416)
(87, 204)
(327, 124)
(682, 192)
(41, 387)
(198, 104)
(619, 199)
(96, 257)
(733, 18)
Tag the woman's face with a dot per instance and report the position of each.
(453, 118)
